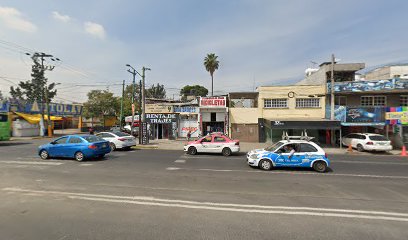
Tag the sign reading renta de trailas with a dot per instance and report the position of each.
(213, 102)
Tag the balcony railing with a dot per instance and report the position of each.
(395, 84)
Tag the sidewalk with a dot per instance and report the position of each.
(165, 144)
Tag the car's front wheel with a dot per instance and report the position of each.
(192, 150)
(265, 164)
(320, 166)
(226, 152)
(79, 156)
(44, 155)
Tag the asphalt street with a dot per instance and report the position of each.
(158, 194)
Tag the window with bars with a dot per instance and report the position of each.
(276, 103)
(404, 100)
(308, 103)
(373, 101)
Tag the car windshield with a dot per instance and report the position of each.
(92, 138)
(274, 147)
(121, 134)
(378, 138)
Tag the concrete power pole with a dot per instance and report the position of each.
(143, 94)
(333, 140)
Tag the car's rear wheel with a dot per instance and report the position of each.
(112, 146)
(360, 148)
(79, 156)
(44, 155)
(192, 150)
(226, 152)
(320, 166)
(265, 164)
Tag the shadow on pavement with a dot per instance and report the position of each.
(7, 144)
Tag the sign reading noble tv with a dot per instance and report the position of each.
(161, 118)
(213, 102)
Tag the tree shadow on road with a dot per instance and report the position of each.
(8, 144)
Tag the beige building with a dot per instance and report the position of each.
(273, 110)
(387, 72)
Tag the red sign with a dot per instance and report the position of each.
(213, 102)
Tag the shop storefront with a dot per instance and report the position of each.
(397, 125)
(213, 115)
(162, 125)
(188, 121)
(273, 130)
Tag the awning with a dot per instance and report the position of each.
(314, 124)
(35, 118)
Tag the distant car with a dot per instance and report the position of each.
(118, 140)
(115, 128)
(79, 147)
(128, 129)
(305, 154)
(213, 143)
(367, 142)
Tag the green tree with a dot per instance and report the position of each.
(101, 103)
(193, 90)
(157, 91)
(211, 64)
(34, 89)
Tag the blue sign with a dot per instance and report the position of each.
(370, 85)
(185, 109)
(56, 109)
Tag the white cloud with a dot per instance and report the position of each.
(58, 16)
(95, 29)
(12, 18)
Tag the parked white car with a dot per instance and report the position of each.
(118, 140)
(367, 142)
(214, 143)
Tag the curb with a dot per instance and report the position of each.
(146, 147)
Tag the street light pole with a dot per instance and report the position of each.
(121, 105)
(333, 140)
(133, 97)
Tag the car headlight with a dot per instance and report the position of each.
(253, 156)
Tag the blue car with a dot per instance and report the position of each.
(79, 147)
(293, 153)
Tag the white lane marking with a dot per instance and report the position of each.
(366, 162)
(151, 201)
(292, 173)
(180, 161)
(85, 164)
(172, 168)
(31, 163)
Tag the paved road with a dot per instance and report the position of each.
(156, 194)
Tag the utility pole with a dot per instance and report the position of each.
(143, 94)
(121, 105)
(133, 98)
(333, 140)
(45, 87)
(140, 110)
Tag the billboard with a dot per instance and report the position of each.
(365, 115)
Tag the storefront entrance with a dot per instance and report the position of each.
(210, 127)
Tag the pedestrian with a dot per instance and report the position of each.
(188, 135)
(91, 131)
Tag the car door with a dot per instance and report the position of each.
(205, 145)
(73, 145)
(288, 159)
(308, 154)
(58, 146)
(219, 143)
(357, 138)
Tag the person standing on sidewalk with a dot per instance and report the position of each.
(188, 135)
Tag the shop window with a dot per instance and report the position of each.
(340, 100)
(404, 100)
(213, 117)
(373, 101)
(276, 103)
(307, 102)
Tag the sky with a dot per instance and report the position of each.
(258, 42)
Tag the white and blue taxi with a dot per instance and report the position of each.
(290, 153)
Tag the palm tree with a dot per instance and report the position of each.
(211, 64)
